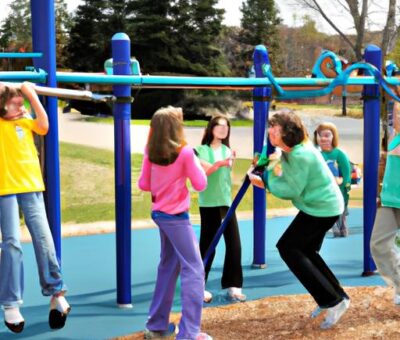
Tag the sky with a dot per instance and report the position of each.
(290, 13)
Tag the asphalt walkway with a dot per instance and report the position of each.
(73, 129)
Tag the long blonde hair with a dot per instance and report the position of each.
(166, 137)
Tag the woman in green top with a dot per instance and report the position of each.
(216, 157)
(326, 137)
(304, 178)
(387, 222)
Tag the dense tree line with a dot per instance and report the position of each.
(178, 37)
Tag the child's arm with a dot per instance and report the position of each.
(42, 122)
(194, 170)
(211, 168)
(144, 182)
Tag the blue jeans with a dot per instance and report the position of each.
(11, 263)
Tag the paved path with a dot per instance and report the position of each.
(73, 130)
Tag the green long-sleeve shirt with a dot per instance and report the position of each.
(390, 194)
(307, 181)
(343, 163)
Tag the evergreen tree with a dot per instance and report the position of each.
(259, 24)
(63, 26)
(94, 24)
(152, 38)
(16, 32)
(198, 26)
(16, 28)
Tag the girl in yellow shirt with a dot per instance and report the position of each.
(21, 184)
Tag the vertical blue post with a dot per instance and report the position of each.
(261, 98)
(44, 41)
(122, 145)
(371, 94)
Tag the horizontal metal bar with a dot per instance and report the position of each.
(185, 82)
(21, 54)
(201, 82)
(34, 77)
(66, 93)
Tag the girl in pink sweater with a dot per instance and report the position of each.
(167, 164)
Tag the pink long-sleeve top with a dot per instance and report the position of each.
(167, 183)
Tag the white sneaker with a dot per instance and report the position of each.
(396, 299)
(334, 314)
(13, 319)
(207, 296)
(318, 310)
(203, 336)
(235, 294)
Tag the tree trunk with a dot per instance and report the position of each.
(389, 32)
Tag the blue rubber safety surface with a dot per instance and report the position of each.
(89, 272)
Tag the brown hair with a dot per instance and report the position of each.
(327, 126)
(208, 132)
(293, 131)
(166, 138)
(7, 93)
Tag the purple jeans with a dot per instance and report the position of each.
(180, 254)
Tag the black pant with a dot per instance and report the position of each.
(211, 218)
(299, 247)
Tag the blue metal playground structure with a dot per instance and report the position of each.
(126, 74)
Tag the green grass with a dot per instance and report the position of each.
(352, 110)
(87, 187)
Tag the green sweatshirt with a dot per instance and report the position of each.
(307, 181)
(344, 168)
(390, 194)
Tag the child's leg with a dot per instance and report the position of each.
(11, 265)
(342, 224)
(383, 250)
(232, 273)
(167, 274)
(182, 237)
(34, 212)
(210, 219)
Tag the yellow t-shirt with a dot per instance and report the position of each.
(19, 163)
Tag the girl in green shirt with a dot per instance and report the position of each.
(304, 178)
(326, 137)
(216, 157)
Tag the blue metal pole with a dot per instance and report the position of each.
(122, 118)
(261, 98)
(371, 94)
(44, 41)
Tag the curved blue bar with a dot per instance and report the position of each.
(316, 71)
(121, 53)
